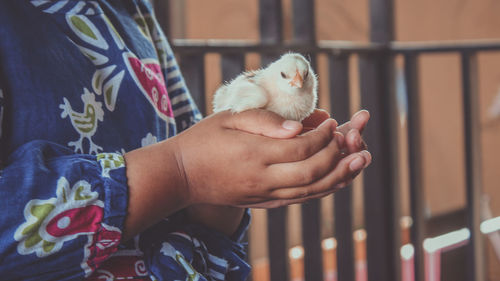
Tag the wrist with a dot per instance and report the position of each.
(157, 186)
(225, 219)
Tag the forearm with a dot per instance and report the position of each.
(156, 186)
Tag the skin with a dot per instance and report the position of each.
(226, 219)
(228, 162)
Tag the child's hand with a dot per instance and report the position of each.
(226, 219)
(312, 121)
(225, 165)
(352, 129)
(251, 159)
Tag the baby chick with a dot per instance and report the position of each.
(287, 87)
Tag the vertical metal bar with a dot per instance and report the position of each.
(278, 253)
(417, 230)
(162, 11)
(304, 31)
(304, 34)
(340, 107)
(311, 232)
(193, 70)
(311, 236)
(381, 21)
(475, 250)
(276, 231)
(271, 32)
(232, 66)
(270, 21)
(380, 192)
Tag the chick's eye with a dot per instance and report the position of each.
(283, 75)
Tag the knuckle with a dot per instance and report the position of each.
(348, 174)
(265, 115)
(303, 193)
(304, 151)
(277, 204)
(248, 155)
(307, 176)
(254, 185)
(312, 174)
(326, 136)
(245, 156)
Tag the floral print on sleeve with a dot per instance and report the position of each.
(75, 211)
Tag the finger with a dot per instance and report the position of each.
(345, 170)
(299, 195)
(275, 203)
(315, 119)
(306, 171)
(262, 122)
(300, 147)
(354, 142)
(368, 160)
(358, 121)
(368, 157)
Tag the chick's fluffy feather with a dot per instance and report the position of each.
(287, 87)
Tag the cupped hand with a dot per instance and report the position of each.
(352, 130)
(257, 159)
(251, 159)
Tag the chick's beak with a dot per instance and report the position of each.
(297, 80)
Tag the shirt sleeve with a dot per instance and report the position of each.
(186, 251)
(63, 213)
(185, 111)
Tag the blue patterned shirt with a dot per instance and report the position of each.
(81, 83)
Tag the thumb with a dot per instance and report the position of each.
(264, 122)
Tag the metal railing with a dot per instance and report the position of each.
(376, 72)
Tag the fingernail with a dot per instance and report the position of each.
(291, 125)
(367, 155)
(335, 124)
(341, 185)
(357, 164)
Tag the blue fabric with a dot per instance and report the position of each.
(81, 83)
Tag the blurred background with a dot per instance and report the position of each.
(429, 72)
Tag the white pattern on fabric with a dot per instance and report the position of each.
(114, 34)
(149, 139)
(77, 8)
(85, 123)
(109, 162)
(99, 76)
(86, 30)
(56, 7)
(96, 58)
(37, 3)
